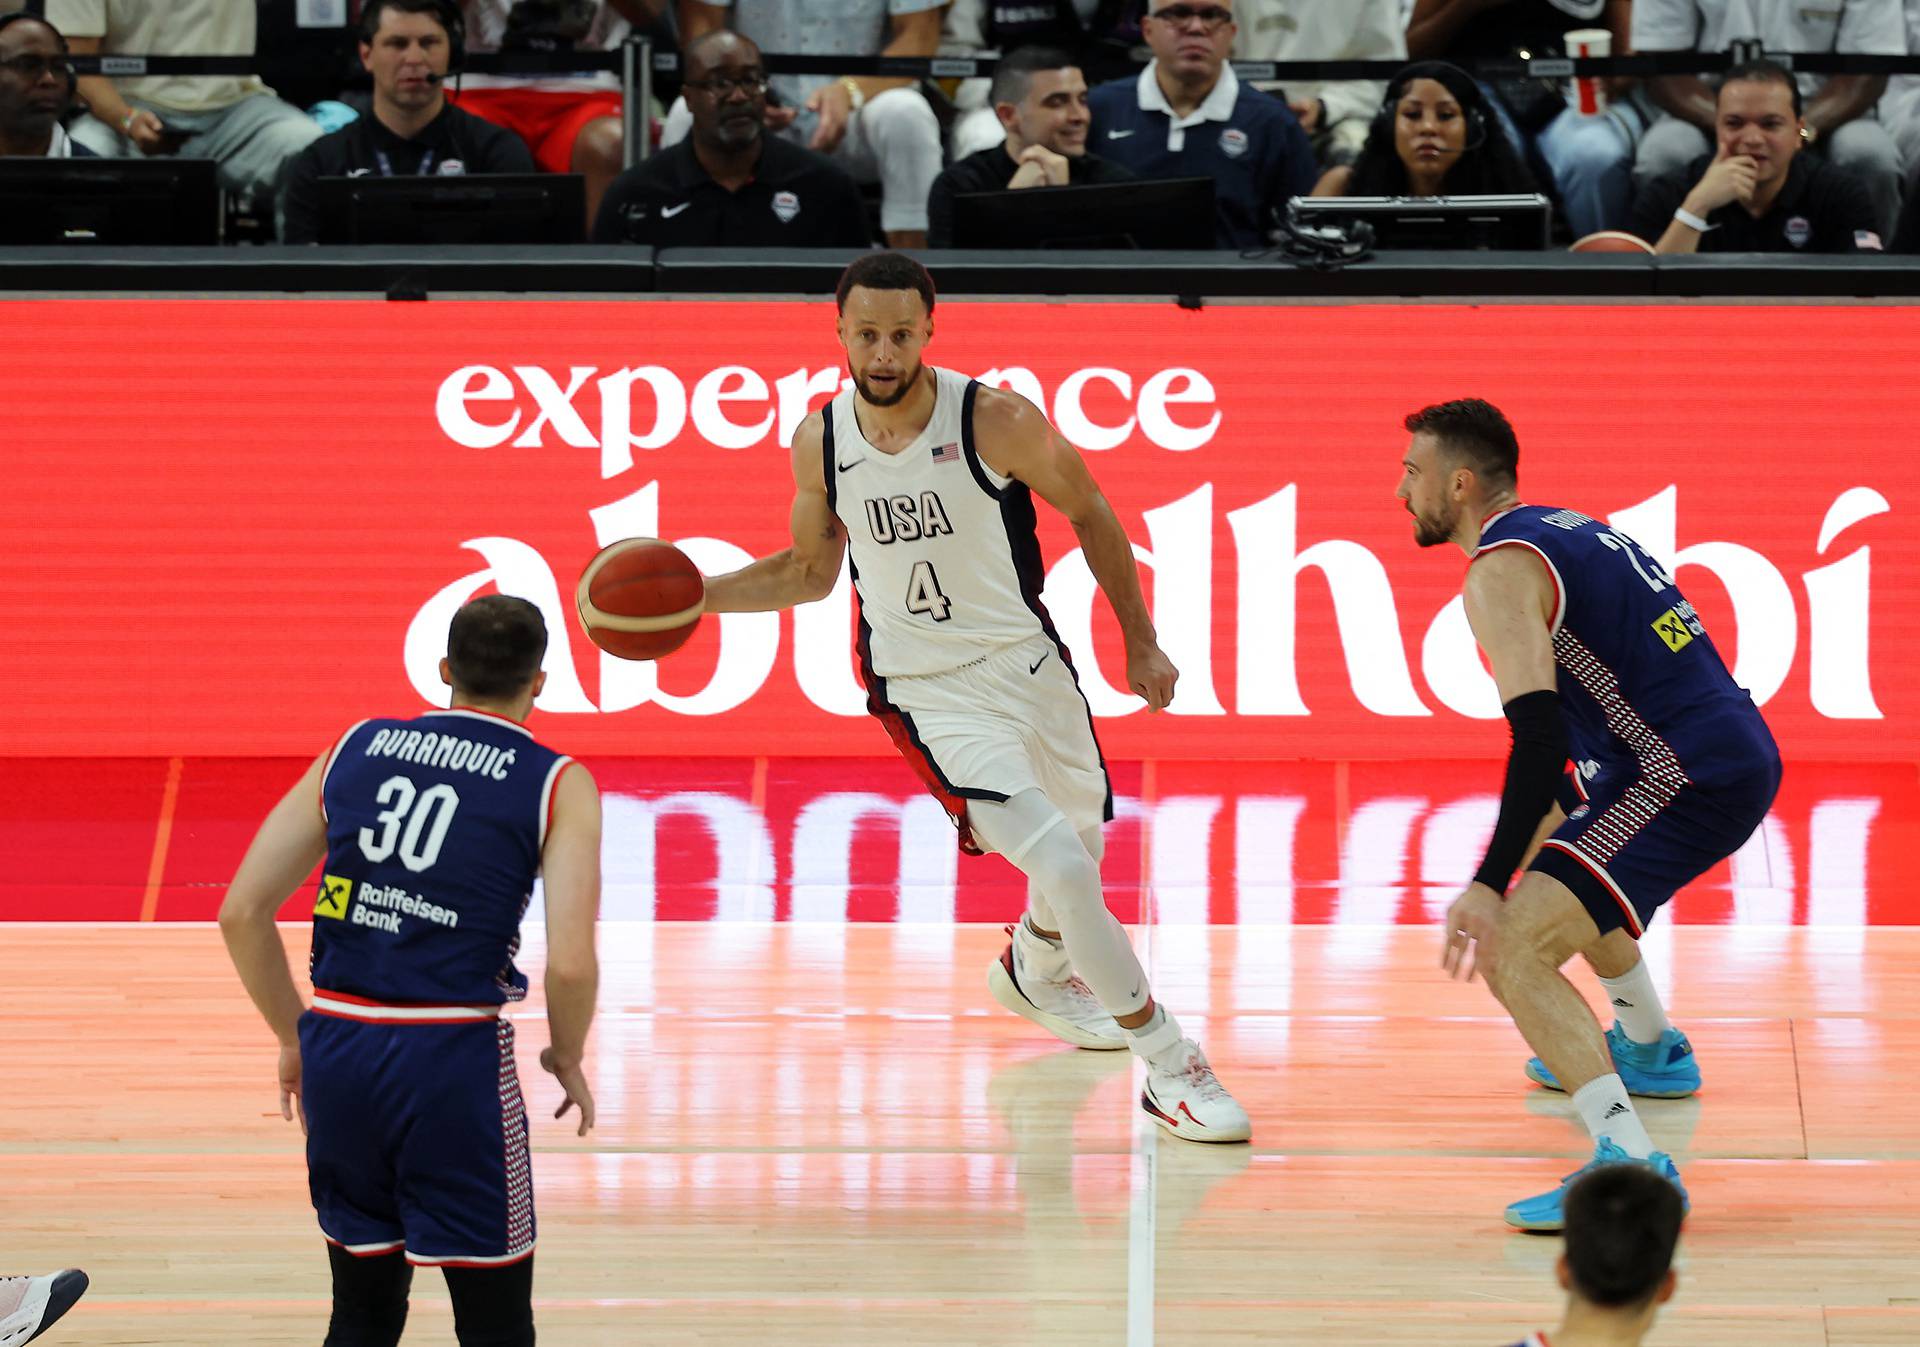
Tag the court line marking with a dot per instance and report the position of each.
(1142, 1226)
(162, 835)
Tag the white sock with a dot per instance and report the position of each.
(1159, 1042)
(1607, 1112)
(1637, 1005)
(1041, 957)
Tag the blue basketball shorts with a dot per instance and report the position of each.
(1630, 842)
(417, 1139)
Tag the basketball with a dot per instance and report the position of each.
(1611, 241)
(640, 598)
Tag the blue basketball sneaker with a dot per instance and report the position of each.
(1542, 1213)
(1663, 1070)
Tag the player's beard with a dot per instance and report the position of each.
(904, 387)
(1430, 532)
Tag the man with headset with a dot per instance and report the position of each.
(36, 88)
(409, 47)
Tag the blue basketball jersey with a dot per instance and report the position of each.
(434, 832)
(1642, 686)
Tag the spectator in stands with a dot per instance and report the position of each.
(1899, 112)
(876, 129)
(232, 119)
(1040, 97)
(406, 46)
(729, 183)
(1758, 192)
(1335, 114)
(1622, 1223)
(1162, 124)
(1097, 35)
(1433, 135)
(36, 87)
(1589, 158)
(571, 122)
(1839, 108)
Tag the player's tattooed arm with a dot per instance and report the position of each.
(1017, 441)
(809, 569)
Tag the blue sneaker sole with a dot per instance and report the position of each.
(1540, 1076)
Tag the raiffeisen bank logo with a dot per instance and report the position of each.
(1237, 658)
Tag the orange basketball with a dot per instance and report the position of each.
(1611, 241)
(640, 598)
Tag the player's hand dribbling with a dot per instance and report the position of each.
(1151, 675)
(574, 1081)
(1472, 922)
(290, 1105)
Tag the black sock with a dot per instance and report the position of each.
(369, 1299)
(493, 1306)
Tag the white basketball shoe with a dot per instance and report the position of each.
(29, 1306)
(1066, 1009)
(1184, 1096)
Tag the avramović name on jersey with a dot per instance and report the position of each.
(397, 902)
(441, 750)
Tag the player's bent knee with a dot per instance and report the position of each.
(901, 116)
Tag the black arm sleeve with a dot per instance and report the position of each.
(1534, 769)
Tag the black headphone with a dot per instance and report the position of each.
(1397, 89)
(446, 11)
(73, 78)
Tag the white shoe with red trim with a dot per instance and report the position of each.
(1189, 1101)
(1069, 1010)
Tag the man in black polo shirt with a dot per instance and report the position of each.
(1040, 97)
(405, 45)
(729, 184)
(1758, 193)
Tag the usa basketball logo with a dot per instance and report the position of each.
(1233, 142)
(1799, 230)
(786, 205)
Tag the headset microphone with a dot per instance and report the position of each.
(432, 77)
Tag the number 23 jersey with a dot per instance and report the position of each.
(434, 833)
(1643, 688)
(943, 550)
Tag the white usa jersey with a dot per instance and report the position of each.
(943, 550)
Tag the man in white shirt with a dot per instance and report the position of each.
(1839, 116)
(234, 120)
(1900, 107)
(874, 128)
(1336, 114)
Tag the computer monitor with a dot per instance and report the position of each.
(108, 201)
(484, 208)
(1519, 221)
(1149, 213)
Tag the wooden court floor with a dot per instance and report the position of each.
(816, 1133)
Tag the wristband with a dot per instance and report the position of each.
(126, 122)
(856, 96)
(1692, 221)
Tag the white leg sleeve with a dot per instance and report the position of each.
(1030, 832)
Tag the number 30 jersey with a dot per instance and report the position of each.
(943, 551)
(1643, 688)
(434, 831)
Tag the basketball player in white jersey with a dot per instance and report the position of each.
(928, 479)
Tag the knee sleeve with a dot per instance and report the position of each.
(369, 1299)
(493, 1307)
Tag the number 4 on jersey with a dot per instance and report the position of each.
(923, 593)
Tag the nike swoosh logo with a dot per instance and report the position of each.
(1035, 666)
(1118, 135)
(668, 212)
(1136, 986)
(848, 467)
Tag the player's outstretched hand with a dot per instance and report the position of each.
(290, 1106)
(1471, 925)
(574, 1081)
(1151, 675)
